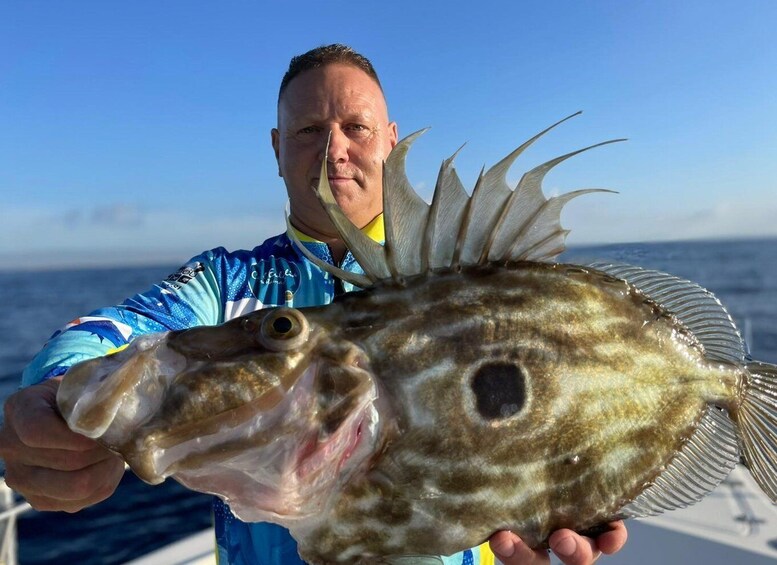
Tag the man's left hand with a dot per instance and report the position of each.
(571, 548)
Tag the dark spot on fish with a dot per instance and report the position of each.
(500, 390)
(282, 325)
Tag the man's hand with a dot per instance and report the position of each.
(53, 467)
(571, 548)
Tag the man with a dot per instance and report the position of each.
(330, 92)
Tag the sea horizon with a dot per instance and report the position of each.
(104, 260)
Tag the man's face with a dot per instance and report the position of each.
(345, 101)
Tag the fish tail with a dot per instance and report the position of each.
(757, 417)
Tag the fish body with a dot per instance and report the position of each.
(472, 387)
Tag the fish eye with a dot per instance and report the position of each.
(283, 329)
(282, 325)
(500, 390)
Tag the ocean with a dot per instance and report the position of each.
(140, 518)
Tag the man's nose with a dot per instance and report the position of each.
(338, 146)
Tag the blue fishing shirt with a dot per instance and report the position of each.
(210, 289)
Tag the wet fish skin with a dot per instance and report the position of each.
(603, 412)
(604, 406)
(473, 387)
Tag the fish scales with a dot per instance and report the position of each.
(479, 387)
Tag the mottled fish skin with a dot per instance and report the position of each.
(527, 397)
(606, 388)
(472, 387)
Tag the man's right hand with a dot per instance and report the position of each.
(53, 467)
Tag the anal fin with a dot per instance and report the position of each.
(699, 467)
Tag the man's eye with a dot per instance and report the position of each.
(309, 129)
(359, 130)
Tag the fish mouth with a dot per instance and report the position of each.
(335, 453)
(343, 429)
(286, 465)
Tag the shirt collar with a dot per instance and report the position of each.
(375, 230)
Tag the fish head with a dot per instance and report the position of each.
(270, 411)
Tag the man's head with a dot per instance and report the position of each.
(336, 53)
(332, 90)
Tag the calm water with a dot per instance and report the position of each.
(138, 518)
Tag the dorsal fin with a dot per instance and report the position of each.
(491, 201)
(445, 216)
(353, 278)
(695, 307)
(404, 213)
(495, 224)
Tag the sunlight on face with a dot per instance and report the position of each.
(345, 101)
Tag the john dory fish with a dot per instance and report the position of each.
(473, 386)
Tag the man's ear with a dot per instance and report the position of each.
(275, 138)
(393, 134)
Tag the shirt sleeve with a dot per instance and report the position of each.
(189, 297)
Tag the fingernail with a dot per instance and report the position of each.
(504, 546)
(565, 547)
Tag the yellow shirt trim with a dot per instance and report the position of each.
(486, 555)
(117, 349)
(375, 230)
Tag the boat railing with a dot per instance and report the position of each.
(10, 508)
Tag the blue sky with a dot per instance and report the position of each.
(138, 132)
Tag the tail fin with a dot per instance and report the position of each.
(758, 426)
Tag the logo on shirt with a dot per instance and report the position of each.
(282, 276)
(183, 275)
(104, 328)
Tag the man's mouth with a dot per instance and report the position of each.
(339, 181)
(336, 180)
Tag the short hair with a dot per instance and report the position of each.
(327, 55)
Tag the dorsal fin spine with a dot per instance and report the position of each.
(367, 252)
(388, 246)
(464, 229)
(501, 169)
(497, 226)
(353, 278)
(495, 223)
(450, 204)
(405, 212)
(431, 221)
(539, 244)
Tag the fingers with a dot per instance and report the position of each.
(35, 434)
(612, 541)
(15, 450)
(511, 550)
(47, 489)
(63, 485)
(53, 467)
(572, 548)
(33, 416)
